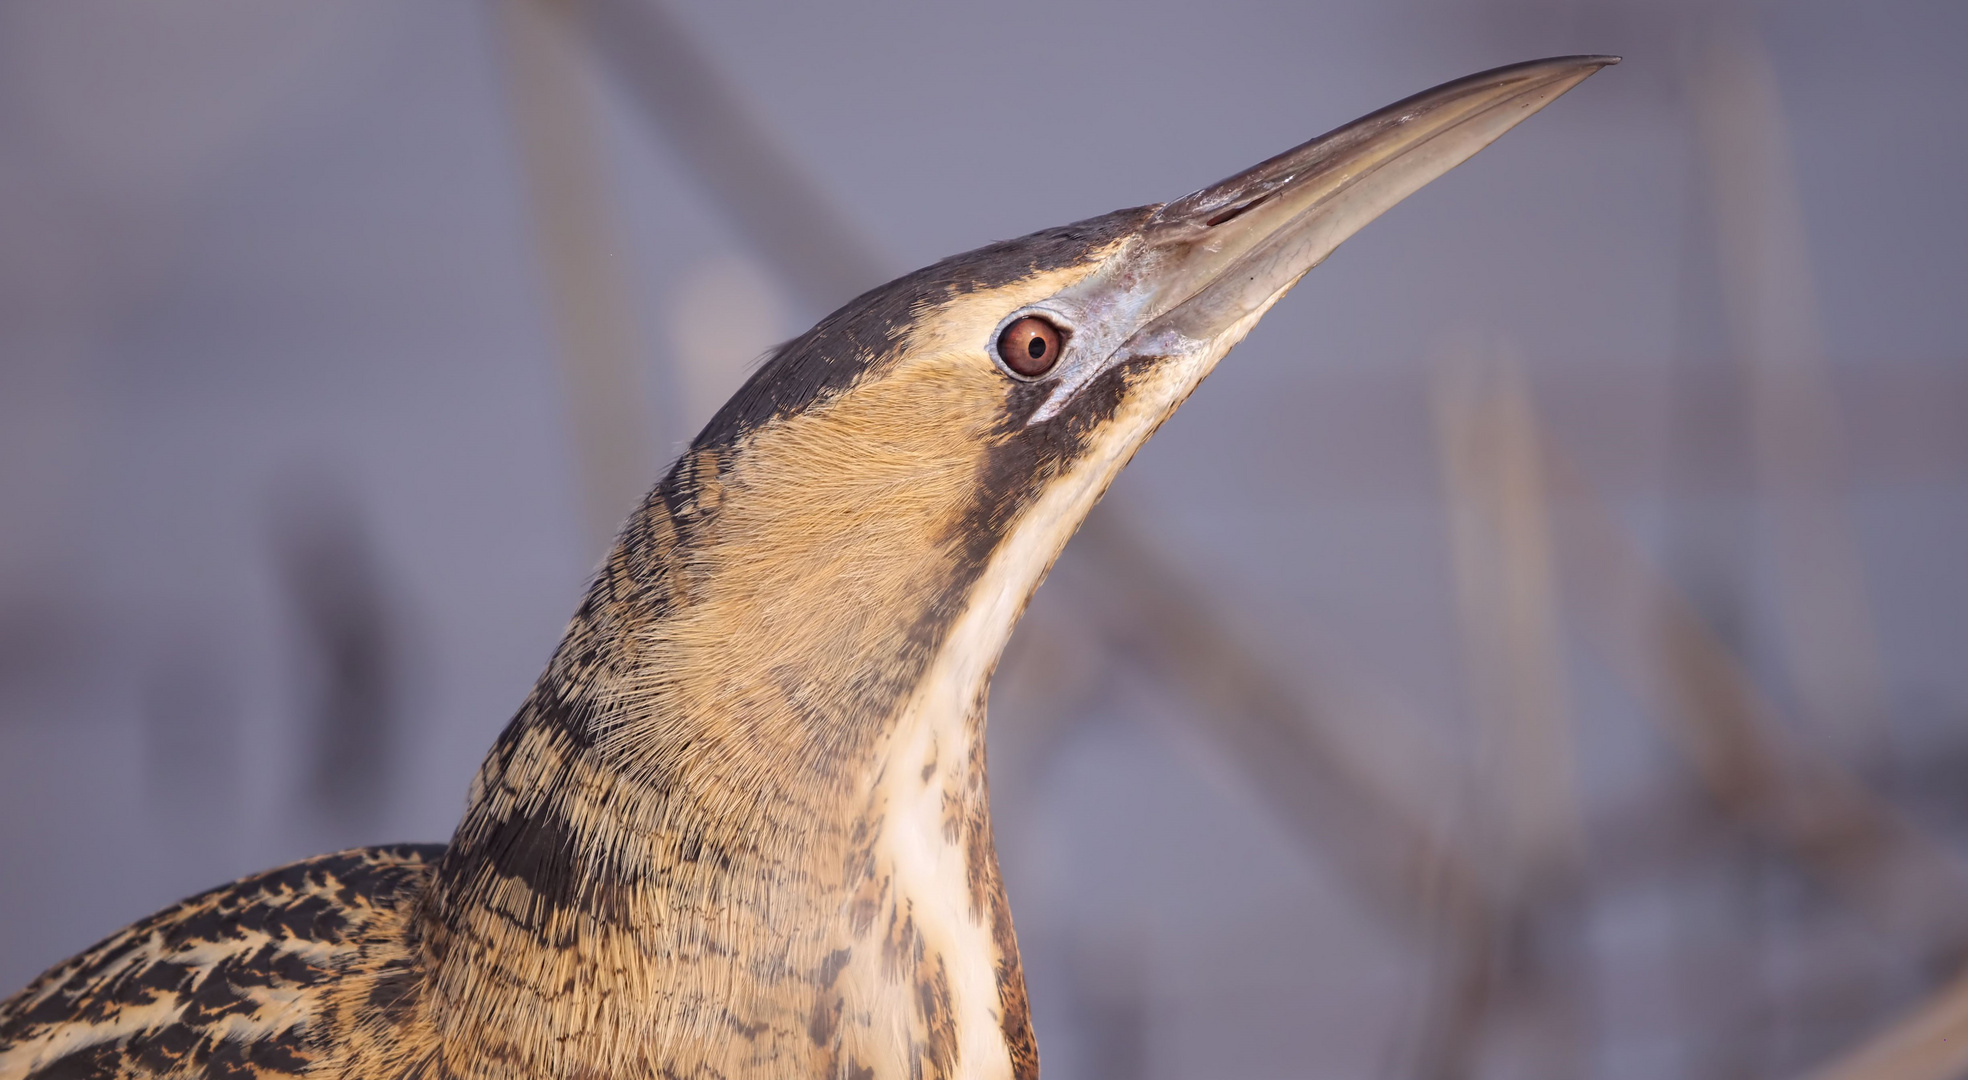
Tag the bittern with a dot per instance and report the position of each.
(739, 827)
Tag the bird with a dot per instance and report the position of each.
(739, 828)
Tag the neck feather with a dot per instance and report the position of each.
(730, 832)
(740, 827)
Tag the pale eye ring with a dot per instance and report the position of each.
(1030, 346)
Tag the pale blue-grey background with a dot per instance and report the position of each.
(256, 256)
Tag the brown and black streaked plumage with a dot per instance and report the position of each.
(739, 828)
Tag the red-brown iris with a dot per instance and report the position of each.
(1030, 346)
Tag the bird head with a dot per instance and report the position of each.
(890, 487)
(757, 756)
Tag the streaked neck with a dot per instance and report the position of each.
(761, 846)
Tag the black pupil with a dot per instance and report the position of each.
(1036, 347)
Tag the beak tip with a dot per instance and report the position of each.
(1564, 72)
(1269, 224)
(1595, 61)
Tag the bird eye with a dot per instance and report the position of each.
(1030, 346)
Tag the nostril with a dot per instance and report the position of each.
(1241, 209)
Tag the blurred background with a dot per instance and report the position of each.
(1540, 651)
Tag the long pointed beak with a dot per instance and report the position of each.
(1218, 258)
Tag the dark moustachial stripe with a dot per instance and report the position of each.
(1012, 475)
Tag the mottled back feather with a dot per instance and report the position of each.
(226, 984)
